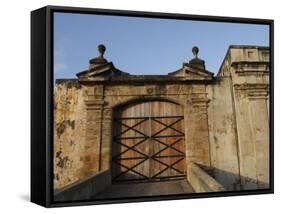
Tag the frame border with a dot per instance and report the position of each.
(42, 103)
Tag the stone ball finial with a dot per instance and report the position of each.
(196, 61)
(195, 51)
(100, 59)
(101, 49)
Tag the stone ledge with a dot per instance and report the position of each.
(201, 181)
(84, 189)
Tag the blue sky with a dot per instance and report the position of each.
(145, 45)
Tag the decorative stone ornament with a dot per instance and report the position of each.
(100, 59)
(197, 62)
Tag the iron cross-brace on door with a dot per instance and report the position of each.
(159, 136)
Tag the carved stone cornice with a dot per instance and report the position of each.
(253, 91)
(94, 104)
(200, 102)
(246, 68)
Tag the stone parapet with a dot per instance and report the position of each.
(202, 181)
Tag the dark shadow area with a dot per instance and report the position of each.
(123, 190)
(129, 178)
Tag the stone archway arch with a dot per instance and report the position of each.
(104, 99)
(148, 141)
(140, 99)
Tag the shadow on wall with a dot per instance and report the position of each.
(234, 182)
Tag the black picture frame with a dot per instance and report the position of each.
(42, 103)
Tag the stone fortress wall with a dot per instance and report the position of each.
(226, 116)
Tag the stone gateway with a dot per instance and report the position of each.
(212, 131)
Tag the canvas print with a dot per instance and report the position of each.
(147, 107)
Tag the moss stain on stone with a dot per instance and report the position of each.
(63, 125)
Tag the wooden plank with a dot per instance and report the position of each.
(134, 113)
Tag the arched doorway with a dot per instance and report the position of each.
(148, 142)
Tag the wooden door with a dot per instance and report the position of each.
(148, 142)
